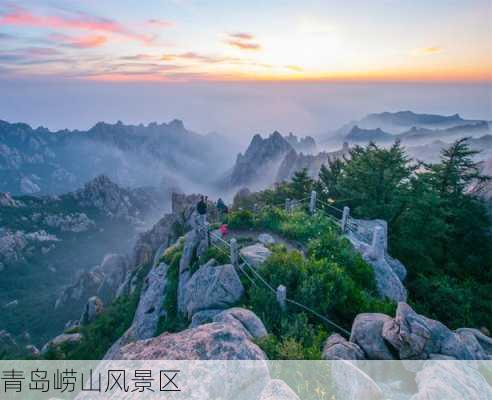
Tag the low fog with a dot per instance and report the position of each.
(237, 110)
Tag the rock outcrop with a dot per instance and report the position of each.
(352, 383)
(367, 333)
(407, 336)
(246, 319)
(338, 348)
(92, 310)
(215, 341)
(278, 390)
(451, 380)
(255, 254)
(65, 339)
(148, 313)
(389, 273)
(420, 338)
(103, 281)
(6, 200)
(212, 288)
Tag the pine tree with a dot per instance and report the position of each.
(376, 181)
(301, 185)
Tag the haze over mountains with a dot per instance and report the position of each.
(410, 127)
(44, 235)
(38, 161)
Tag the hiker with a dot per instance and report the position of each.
(221, 206)
(224, 230)
(201, 208)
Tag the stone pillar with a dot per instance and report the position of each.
(234, 252)
(281, 297)
(287, 205)
(345, 218)
(312, 202)
(378, 243)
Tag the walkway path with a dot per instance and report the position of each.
(253, 235)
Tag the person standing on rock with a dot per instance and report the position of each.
(201, 208)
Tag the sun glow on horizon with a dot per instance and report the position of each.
(176, 42)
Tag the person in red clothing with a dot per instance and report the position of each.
(223, 230)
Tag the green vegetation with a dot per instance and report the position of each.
(330, 278)
(173, 321)
(38, 282)
(437, 228)
(109, 326)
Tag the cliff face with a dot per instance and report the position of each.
(294, 162)
(259, 163)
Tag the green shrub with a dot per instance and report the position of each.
(242, 219)
(172, 321)
(99, 335)
(221, 256)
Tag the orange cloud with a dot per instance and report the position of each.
(428, 50)
(243, 41)
(23, 17)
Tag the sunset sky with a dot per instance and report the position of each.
(242, 67)
(190, 40)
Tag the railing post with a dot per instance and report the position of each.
(345, 217)
(287, 205)
(234, 252)
(312, 202)
(282, 297)
(378, 245)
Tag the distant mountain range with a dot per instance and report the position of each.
(38, 161)
(362, 135)
(380, 125)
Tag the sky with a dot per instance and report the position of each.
(81, 49)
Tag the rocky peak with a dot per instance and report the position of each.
(115, 201)
(6, 200)
(306, 144)
(259, 158)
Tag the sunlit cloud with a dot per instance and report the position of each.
(79, 42)
(427, 50)
(294, 68)
(196, 57)
(242, 36)
(243, 41)
(19, 16)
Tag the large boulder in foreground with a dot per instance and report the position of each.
(246, 319)
(215, 341)
(213, 288)
(367, 333)
(351, 382)
(451, 380)
(419, 337)
(338, 348)
(255, 254)
(278, 390)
